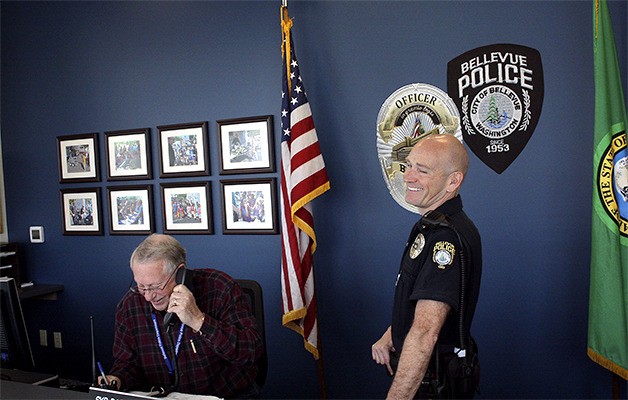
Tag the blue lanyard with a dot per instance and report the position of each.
(161, 344)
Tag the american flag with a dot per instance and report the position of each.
(303, 178)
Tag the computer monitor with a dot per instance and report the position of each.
(14, 344)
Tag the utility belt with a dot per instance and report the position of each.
(452, 373)
(449, 374)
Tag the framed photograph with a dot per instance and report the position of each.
(130, 210)
(246, 145)
(187, 208)
(183, 150)
(128, 154)
(249, 206)
(81, 211)
(78, 158)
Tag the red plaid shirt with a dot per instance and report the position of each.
(219, 360)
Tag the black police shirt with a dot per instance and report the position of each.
(430, 269)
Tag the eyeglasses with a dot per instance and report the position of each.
(154, 288)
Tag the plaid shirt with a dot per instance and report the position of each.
(219, 360)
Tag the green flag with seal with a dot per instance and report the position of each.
(608, 294)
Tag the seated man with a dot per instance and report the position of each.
(215, 337)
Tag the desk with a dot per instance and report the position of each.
(40, 291)
(15, 390)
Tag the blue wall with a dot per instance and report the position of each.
(79, 67)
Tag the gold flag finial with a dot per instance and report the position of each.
(286, 26)
(597, 16)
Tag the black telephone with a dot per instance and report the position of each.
(171, 318)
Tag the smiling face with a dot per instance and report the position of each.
(434, 171)
(153, 275)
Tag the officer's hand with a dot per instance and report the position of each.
(381, 350)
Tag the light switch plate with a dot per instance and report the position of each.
(37, 234)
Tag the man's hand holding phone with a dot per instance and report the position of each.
(183, 304)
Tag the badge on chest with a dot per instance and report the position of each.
(417, 246)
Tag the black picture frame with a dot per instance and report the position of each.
(78, 158)
(128, 154)
(246, 145)
(259, 216)
(183, 150)
(81, 211)
(187, 208)
(130, 210)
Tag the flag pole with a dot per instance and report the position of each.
(321, 371)
(319, 361)
(616, 385)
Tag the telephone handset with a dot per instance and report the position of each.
(171, 318)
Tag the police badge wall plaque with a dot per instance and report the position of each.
(409, 114)
(499, 92)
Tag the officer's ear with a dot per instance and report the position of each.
(454, 181)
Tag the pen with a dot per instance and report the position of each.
(102, 373)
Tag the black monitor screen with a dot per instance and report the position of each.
(14, 344)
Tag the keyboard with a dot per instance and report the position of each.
(73, 384)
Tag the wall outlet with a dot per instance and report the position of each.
(57, 338)
(43, 337)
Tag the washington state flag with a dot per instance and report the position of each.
(608, 294)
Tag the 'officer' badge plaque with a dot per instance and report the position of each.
(499, 92)
(409, 114)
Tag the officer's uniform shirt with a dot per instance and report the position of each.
(430, 269)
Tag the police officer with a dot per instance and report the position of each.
(427, 299)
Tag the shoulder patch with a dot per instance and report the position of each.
(443, 254)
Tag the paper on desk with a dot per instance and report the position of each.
(185, 396)
(180, 396)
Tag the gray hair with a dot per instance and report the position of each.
(158, 247)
